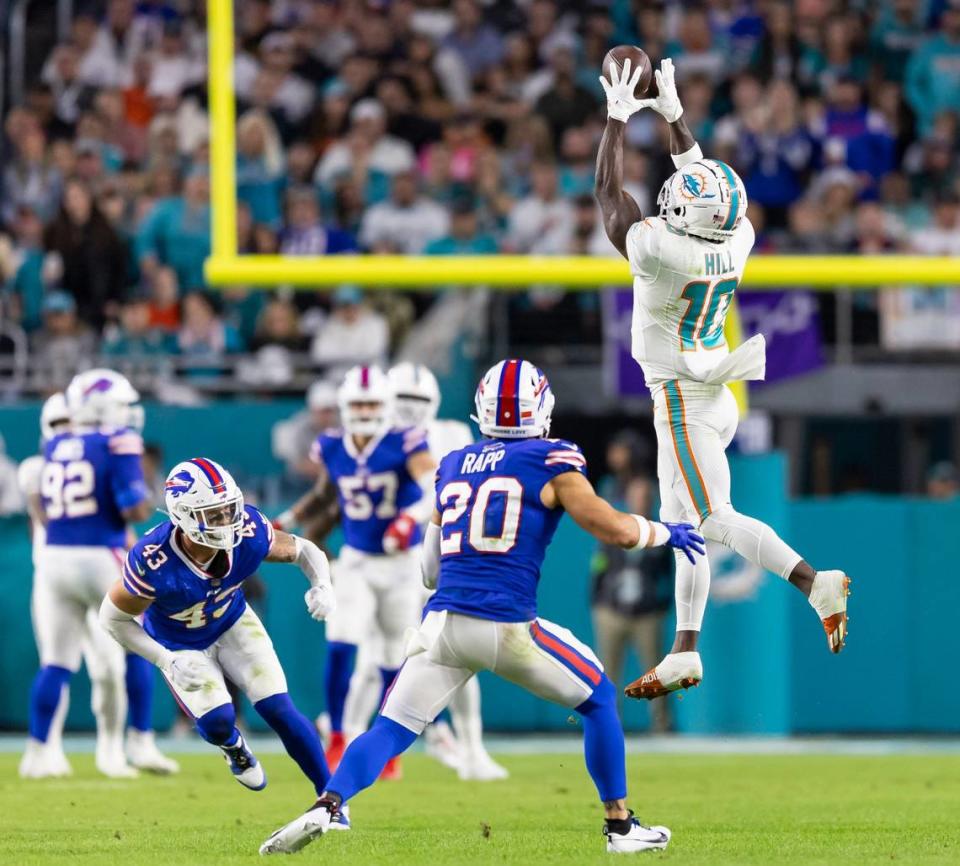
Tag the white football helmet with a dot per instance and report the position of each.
(514, 401)
(54, 416)
(365, 400)
(204, 501)
(705, 198)
(103, 398)
(416, 394)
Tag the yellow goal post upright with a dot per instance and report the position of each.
(505, 272)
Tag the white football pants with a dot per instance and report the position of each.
(695, 423)
(450, 648)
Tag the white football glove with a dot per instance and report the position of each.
(187, 673)
(320, 601)
(667, 102)
(621, 102)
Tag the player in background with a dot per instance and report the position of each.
(383, 476)
(498, 503)
(96, 645)
(416, 401)
(91, 487)
(180, 605)
(686, 264)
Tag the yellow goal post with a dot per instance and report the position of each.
(225, 267)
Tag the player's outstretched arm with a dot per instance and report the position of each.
(574, 493)
(118, 616)
(619, 209)
(313, 562)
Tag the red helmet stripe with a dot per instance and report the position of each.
(508, 395)
(215, 478)
(364, 378)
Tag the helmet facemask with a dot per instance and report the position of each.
(365, 417)
(413, 410)
(219, 525)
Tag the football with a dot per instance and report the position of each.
(646, 86)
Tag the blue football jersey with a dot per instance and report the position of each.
(372, 486)
(88, 479)
(494, 528)
(191, 607)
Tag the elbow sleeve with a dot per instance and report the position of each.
(126, 631)
(312, 561)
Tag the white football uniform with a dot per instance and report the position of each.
(57, 640)
(682, 290)
(443, 436)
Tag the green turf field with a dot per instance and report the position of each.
(722, 809)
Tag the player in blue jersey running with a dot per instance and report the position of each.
(498, 503)
(90, 488)
(383, 477)
(185, 579)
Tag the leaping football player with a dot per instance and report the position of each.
(383, 477)
(497, 506)
(686, 264)
(180, 605)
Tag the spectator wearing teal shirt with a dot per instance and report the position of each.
(27, 283)
(176, 232)
(465, 238)
(933, 74)
(135, 337)
(259, 167)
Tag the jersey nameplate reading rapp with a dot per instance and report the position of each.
(482, 462)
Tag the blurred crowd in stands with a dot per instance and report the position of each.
(441, 128)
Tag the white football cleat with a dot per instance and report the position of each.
(144, 754)
(300, 832)
(676, 671)
(480, 767)
(43, 761)
(637, 838)
(246, 769)
(112, 762)
(828, 597)
(441, 745)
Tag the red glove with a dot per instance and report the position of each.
(399, 533)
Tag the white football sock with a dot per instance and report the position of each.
(752, 539)
(108, 698)
(691, 590)
(465, 712)
(363, 699)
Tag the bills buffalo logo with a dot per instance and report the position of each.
(179, 484)
(693, 186)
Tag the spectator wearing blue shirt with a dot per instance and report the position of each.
(775, 154)
(176, 232)
(305, 234)
(933, 73)
(478, 45)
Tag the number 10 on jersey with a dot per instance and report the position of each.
(707, 305)
(458, 497)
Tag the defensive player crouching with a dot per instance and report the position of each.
(185, 578)
(687, 264)
(485, 563)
